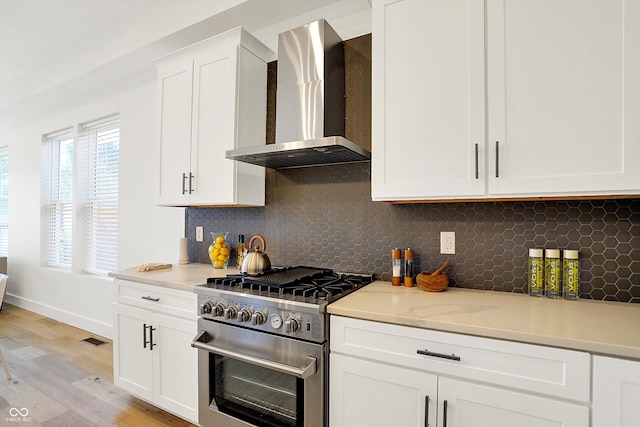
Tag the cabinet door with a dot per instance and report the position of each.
(469, 404)
(428, 99)
(214, 117)
(175, 365)
(132, 358)
(616, 392)
(365, 393)
(174, 104)
(563, 97)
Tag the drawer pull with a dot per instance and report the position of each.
(151, 299)
(426, 352)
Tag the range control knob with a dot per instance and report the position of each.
(259, 318)
(292, 325)
(245, 314)
(230, 312)
(206, 307)
(218, 310)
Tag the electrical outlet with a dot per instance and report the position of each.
(448, 242)
(199, 234)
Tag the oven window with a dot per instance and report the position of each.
(255, 394)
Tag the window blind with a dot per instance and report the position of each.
(57, 199)
(4, 201)
(99, 161)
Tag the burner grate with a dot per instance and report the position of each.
(305, 282)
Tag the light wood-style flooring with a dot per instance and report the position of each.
(59, 380)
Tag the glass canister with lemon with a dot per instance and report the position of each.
(219, 250)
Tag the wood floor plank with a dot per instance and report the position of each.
(69, 372)
(68, 419)
(63, 381)
(20, 394)
(4, 403)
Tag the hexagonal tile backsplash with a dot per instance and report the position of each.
(324, 216)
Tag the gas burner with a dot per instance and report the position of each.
(330, 286)
(307, 282)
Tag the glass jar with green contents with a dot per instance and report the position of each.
(536, 272)
(570, 273)
(552, 273)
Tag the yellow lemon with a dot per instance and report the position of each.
(220, 239)
(218, 264)
(225, 251)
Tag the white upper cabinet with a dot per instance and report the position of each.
(563, 97)
(561, 90)
(212, 98)
(428, 103)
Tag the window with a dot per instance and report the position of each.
(99, 160)
(57, 199)
(4, 201)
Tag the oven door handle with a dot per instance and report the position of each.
(202, 342)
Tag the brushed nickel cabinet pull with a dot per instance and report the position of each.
(190, 183)
(151, 299)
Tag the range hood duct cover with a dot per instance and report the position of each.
(310, 104)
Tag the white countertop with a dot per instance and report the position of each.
(609, 328)
(179, 276)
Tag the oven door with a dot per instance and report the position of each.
(251, 378)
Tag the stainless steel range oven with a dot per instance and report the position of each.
(263, 351)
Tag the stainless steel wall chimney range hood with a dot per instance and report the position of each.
(310, 104)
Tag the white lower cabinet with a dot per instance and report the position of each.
(616, 392)
(152, 356)
(384, 374)
(366, 393)
(464, 403)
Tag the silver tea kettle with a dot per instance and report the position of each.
(256, 261)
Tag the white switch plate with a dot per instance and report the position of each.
(448, 242)
(199, 234)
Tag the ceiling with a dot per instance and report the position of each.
(33, 32)
(53, 52)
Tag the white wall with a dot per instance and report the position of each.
(121, 82)
(148, 233)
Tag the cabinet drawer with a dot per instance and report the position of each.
(534, 368)
(157, 298)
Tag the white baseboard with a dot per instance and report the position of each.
(90, 325)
